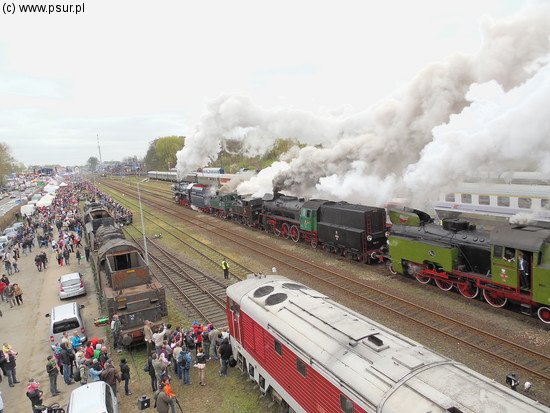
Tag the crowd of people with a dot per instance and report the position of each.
(171, 353)
(56, 232)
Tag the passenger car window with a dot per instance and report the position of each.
(450, 197)
(503, 201)
(466, 198)
(524, 202)
(484, 200)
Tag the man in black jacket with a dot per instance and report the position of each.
(125, 374)
(225, 351)
(66, 361)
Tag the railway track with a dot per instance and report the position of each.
(203, 295)
(530, 361)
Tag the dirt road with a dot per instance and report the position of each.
(25, 327)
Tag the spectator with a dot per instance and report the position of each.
(18, 292)
(225, 354)
(35, 395)
(53, 372)
(163, 402)
(110, 376)
(125, 374)
(200, 365)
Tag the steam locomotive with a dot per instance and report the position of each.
(355, 231)
(458, 255)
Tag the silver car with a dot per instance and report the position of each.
(71, 285)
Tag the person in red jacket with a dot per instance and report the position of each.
(2, 288)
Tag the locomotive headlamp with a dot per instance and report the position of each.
(369, 238)
(512, 380)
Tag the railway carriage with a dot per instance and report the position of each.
(475, 262)
(312, 354)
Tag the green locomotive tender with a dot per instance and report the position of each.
(509, 263)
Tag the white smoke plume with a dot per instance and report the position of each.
(389, 150)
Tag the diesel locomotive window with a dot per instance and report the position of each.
(301, 367)
(466, 198)
(503, 201)
(497, 251)
(524, 202)
(346, 404)
(484, 200)
(278, 347)
(450, 198)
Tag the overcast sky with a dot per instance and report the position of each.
(132, 71)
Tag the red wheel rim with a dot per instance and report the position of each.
(284, 231)
(468, 290)
(544, 314)
(443, 284)
(295, 233)
(494, 299)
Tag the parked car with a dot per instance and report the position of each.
(66, 317)
(93, 397)
(71, 285)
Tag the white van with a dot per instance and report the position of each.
(67, 318)
(94, 397)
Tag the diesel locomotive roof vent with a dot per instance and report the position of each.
(293, 286)
(263, 291)
(276, 298)
(455, 224)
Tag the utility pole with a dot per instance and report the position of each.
(99, 149)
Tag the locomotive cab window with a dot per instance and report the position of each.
(234, 307)
(346, 404)
(466, 198)
(301, 367)
(278, 347)
(498, 251)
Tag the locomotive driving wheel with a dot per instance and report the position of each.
(544, 314)
(468, 290)
(294, 233)
(284, 231)
(390, 268)
(444, 284)
(494, 299)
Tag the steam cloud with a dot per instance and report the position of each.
(485, 112)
